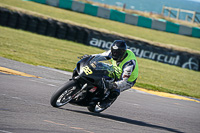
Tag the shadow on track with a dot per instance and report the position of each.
(125, 120)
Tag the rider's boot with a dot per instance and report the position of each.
(112, 96)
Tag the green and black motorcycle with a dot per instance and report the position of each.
(88, 86)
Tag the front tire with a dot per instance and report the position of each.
(64, 95)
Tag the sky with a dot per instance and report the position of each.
(195, 0)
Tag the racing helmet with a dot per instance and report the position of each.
(118, 50)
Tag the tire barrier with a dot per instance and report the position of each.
(82, 35)
(61, 30)
(12, 20)
(4, 14)
(33, 22)
(22, 21)
(79, 34)
(42, 27)
(115, 15)
(71, 33)
(51, 28)
(48, 27)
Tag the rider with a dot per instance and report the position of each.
(126, 68)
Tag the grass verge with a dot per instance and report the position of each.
(61, 54)
(111, 26)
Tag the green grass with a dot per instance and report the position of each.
(40, 50)
(125, 29)
(51, 52)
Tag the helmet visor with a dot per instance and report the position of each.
(118, 54)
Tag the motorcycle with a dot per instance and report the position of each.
(89, 86)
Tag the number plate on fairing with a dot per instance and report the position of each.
(87, 70)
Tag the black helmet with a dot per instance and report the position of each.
(118, 50)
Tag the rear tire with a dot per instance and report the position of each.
(96, 108)
(64, 95)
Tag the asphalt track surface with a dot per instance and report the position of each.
(25, 108)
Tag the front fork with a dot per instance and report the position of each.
(106, 91)
(77, 94)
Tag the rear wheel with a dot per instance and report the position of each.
(97, 108)
(64, 95)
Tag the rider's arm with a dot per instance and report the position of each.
(128, 68)
(106, 54)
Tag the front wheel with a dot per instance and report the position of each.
(64, 95)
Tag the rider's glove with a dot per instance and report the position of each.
(84, 56)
